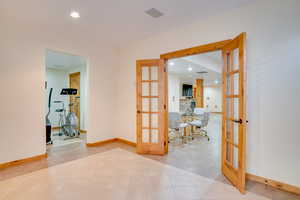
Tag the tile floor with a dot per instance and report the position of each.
(197, 158)
(117, 174)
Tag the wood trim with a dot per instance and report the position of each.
(199, 93)
(121, 140)
(55, 128)
(72, 98)
(275, 184)
(103, 142)
(22, 161)
(195, 50)
(100, 143)
(83, 131)
(221, 113)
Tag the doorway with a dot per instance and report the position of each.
(195, 111)
(233, 105)
(66, 99)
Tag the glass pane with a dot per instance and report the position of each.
(154, 89)
(154, 104)
(228, 85)
(154, 136)
(154, 121)
(229, 124)
(145, 120)
(229, 107)
(235, 157)
(145, 73)
(154, 73)
(145, 89)
(235, 59)
(236, 133)
(236, 108)
(145, 104)
(235, 78)
(145, 135)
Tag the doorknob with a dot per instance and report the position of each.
(240, 121)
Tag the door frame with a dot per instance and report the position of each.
(70, 75)
(210, 47)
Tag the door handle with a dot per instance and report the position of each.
(240, 121)
(138, 112)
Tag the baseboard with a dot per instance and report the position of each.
(276, 184)
(55, 128)
(217, 113)
(22, 161)
(95, 144)
(83, 131)
(103, 142)
(133, 144)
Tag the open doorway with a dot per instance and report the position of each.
(66, 98)
(195, 110)
(153, 113)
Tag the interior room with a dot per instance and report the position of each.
(195, 90)
(225, 72)
(66, 113)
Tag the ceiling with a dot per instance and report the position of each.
(63, 61)
(116, 21)
(209, 62)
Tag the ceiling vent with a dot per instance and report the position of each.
(202, 72)
(153, 12)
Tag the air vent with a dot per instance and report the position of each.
(153, 12)
(202, 72)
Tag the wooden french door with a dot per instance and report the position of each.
(151, 106)
(234, 113)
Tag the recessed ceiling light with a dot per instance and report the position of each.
(190, 68)
(171, 63)
(75, 14)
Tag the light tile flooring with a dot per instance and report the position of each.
(117, 174)
(197, 160)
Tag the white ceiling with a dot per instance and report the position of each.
(209, 62)
(115, 21)
(63, 61)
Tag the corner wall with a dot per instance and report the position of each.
(273, 92)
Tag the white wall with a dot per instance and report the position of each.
(273, 89)
(56, 79)
(174, 92)
(213, 98)
(22, 76)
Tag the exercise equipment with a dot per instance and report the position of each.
(68, 123)
(48, 122)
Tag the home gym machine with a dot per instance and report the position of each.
(68, 123)
(48, 122)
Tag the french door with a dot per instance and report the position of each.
(151, 106)
(234, 118)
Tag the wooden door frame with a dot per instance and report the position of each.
(210, 47)
(70, 75)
